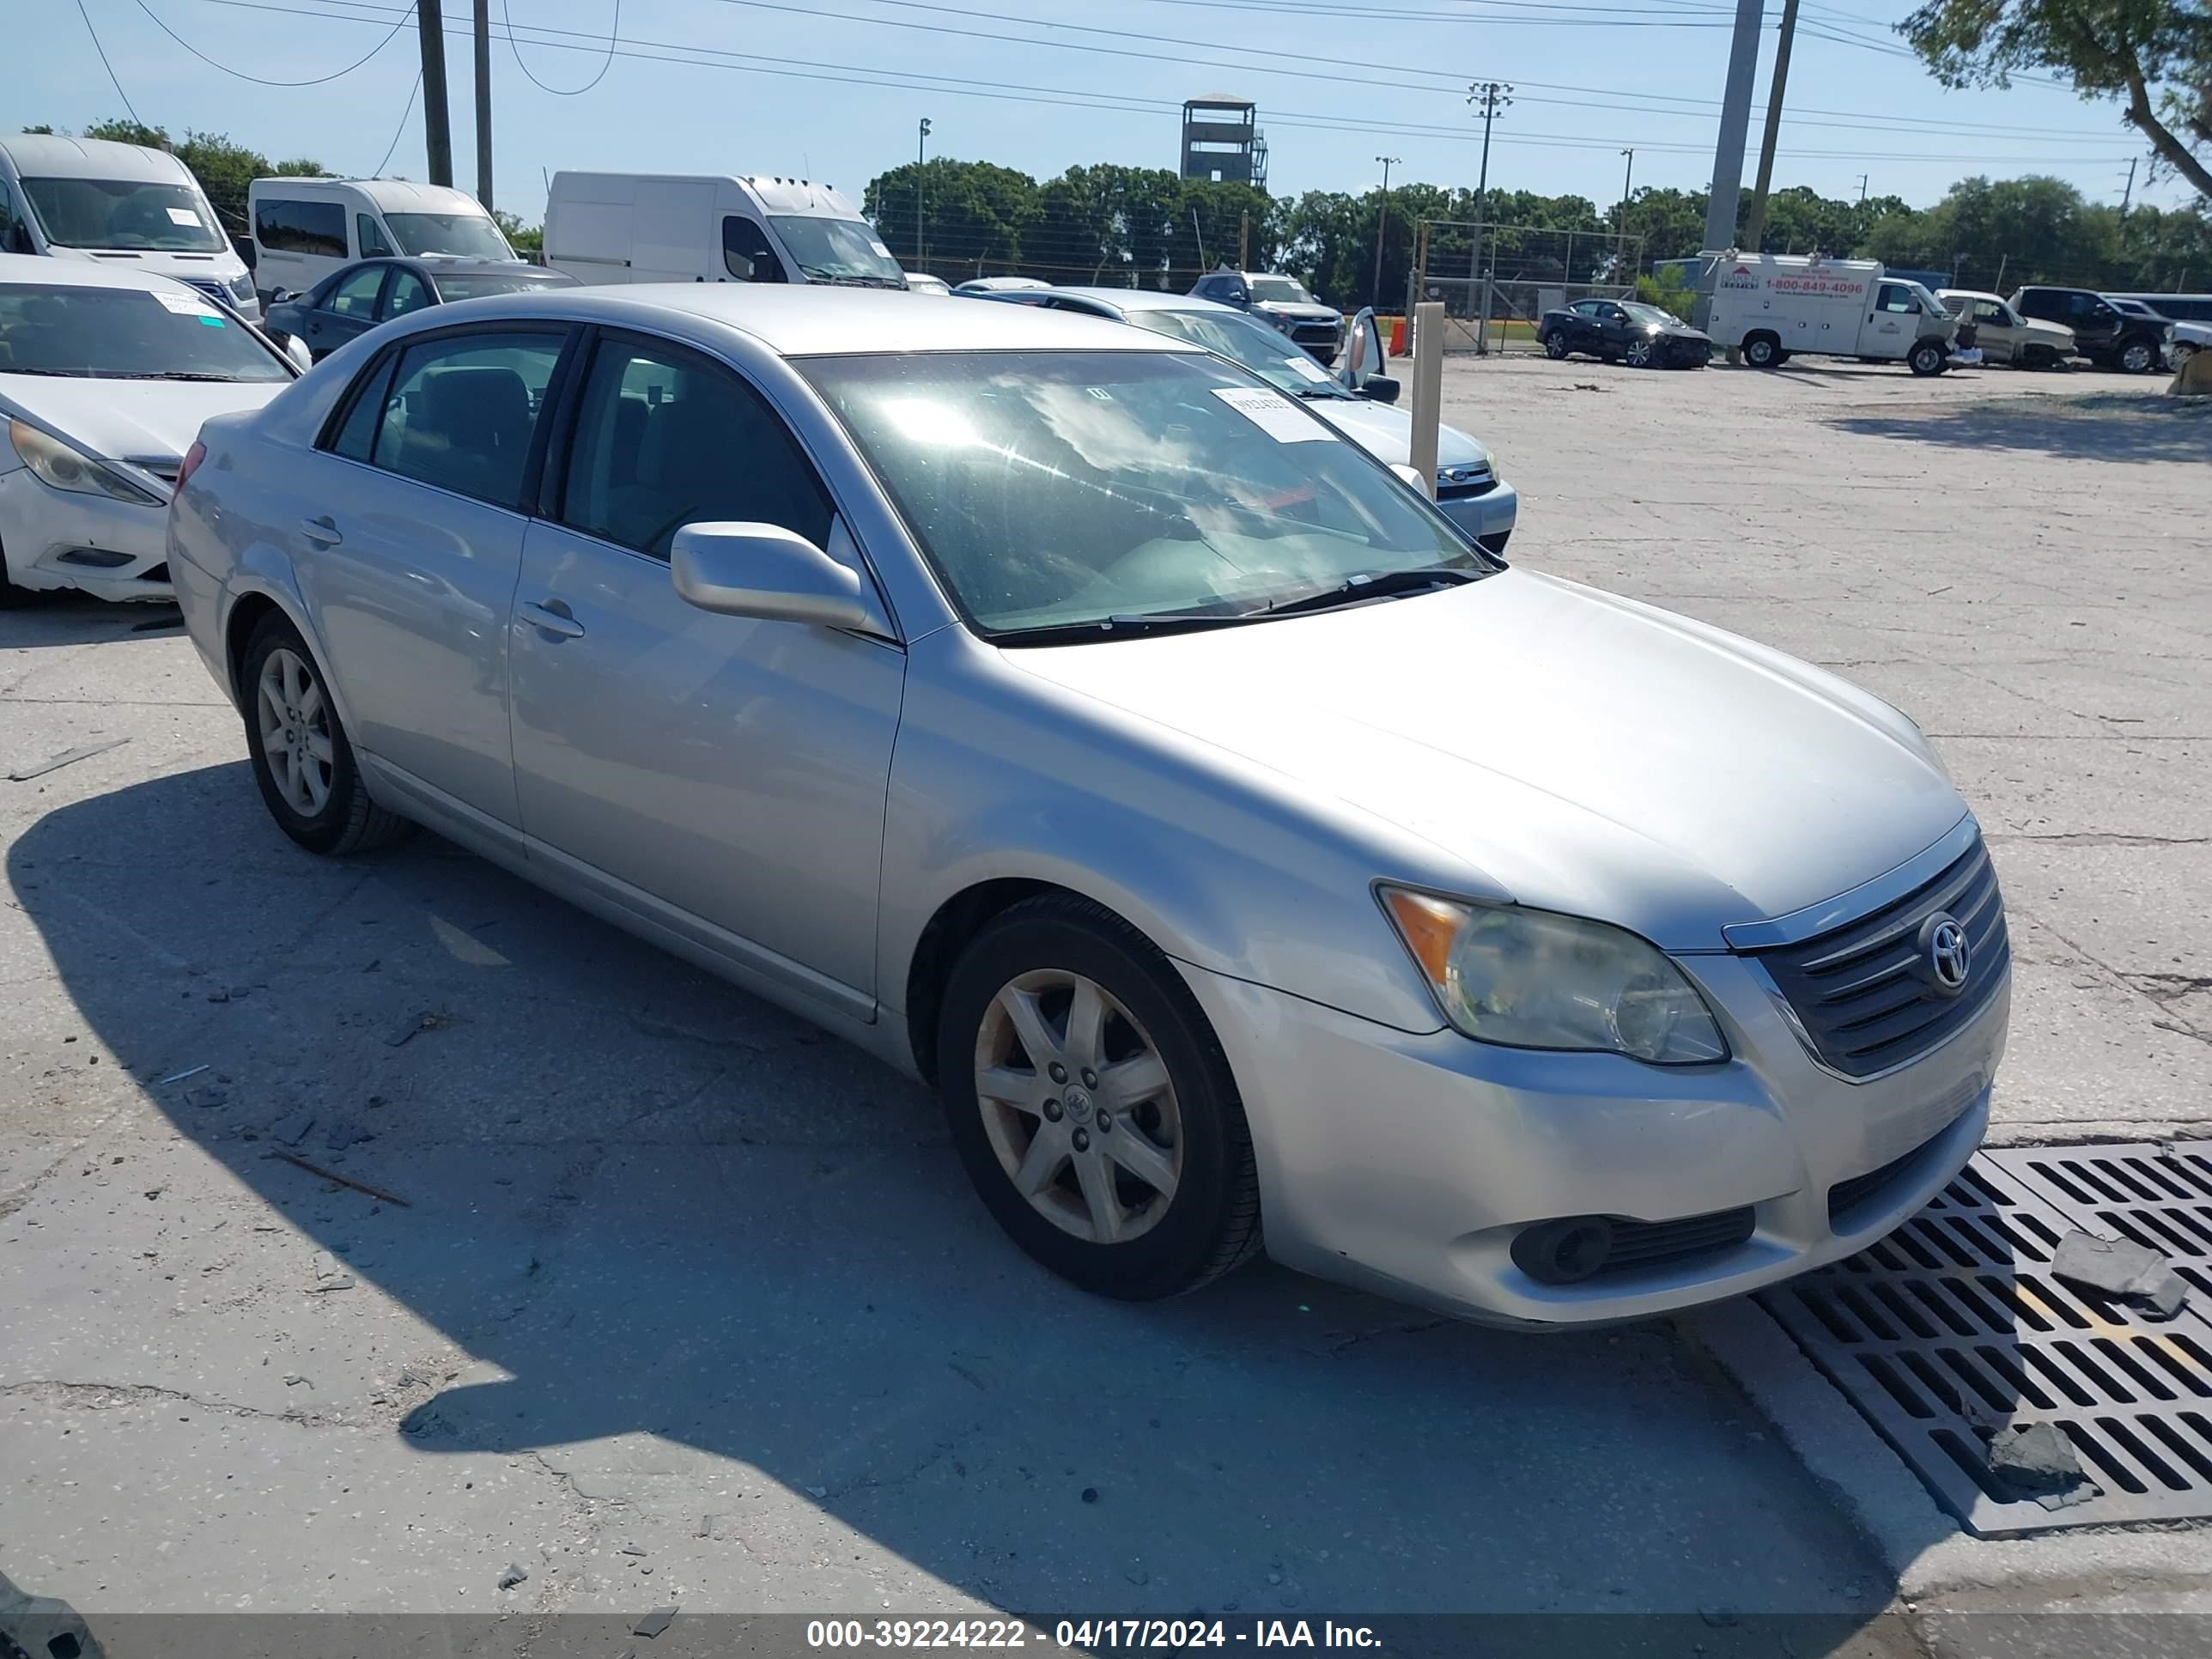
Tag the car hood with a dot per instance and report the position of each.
(1318, 313)
(1678, 332)
(1387, 432)
(2055, 333)
(122, 420)
(1561, 747)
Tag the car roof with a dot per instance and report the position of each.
(1145, 299)
(56, 155)
(390, 195)
(817, 320)
(74, 273)
(1969, 294)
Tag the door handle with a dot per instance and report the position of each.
(550, 620)
(321, 531)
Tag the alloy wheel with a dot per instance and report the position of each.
(2135, 358)
(294, 722)
(1078, 1106)
(1639, 354)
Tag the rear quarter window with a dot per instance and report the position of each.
(290, 225)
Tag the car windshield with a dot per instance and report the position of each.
(475, 284)
(470, 235)
(124, 214)
(1069, 490)
(838, 250)
(127, 333)
(1282, 290)
(1651, 314)
(1242, 340)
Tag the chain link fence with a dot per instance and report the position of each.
(1496, 281)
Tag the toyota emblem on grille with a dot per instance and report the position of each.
(1949, 953)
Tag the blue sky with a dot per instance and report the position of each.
(1348, 81)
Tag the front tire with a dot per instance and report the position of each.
(1092, 1106)
(1555, 346)
(1927, 358)
(11, 595)
(1641, 353)
(302, 762)
(2137, 357)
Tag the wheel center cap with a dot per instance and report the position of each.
(1078, 1103)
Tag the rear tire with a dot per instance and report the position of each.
(302, 759)
(1044, 1149)
(1764, 351)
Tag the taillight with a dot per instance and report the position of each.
(193, 457)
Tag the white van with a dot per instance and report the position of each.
(305, 228)
(722, 228)
(1776, 306)
(122, 205)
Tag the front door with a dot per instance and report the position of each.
(411, 526)
(733, 768)
(1892, 325)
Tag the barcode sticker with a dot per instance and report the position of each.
(1273, 414)
(184, 305)
(184, 216)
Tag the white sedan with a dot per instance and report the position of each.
(105, 378)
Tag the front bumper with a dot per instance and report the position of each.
(1409, 1162)
(56, 539)
(1488, 517)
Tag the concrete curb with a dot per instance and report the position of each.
(1931, 1559)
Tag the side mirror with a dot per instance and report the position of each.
(1379, 388)
(1414, 479)
(767, 572)
(19, 239)
(296, 349)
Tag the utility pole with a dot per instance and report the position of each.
(1244, 240)
(2128, 195)
(1735, 124)
(920, 145)
(437, 126)
(1628, 178)
(1492, 98)
(1862, 184)
(1755, 230)
(483, 103)
(1381, 224)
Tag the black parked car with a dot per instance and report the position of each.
(2103, 333)
(1641, 336)
(353, 301)
(1282, 302)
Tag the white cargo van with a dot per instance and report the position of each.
(722, 228)
(305, 228)
(122, 206)
(1775, 306)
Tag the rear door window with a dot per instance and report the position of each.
(355, 293)
(408, 293)
(297, 227)
(664, 438)
(462, 410)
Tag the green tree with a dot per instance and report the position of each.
(973, 214)
(2152, 56)
(224, 169)
(523, 238)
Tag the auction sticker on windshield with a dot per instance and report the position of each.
(1305, 367)
(1273, 414)
(184, 305)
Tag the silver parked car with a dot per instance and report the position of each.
(1072, 719)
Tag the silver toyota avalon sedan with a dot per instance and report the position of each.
(1071, 718)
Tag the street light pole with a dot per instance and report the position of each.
(1754, 229)
(1381, 224)
(1628, 178)
(1492, 97)
(921, 243)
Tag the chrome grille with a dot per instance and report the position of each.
(1863, 993)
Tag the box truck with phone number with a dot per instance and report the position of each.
(1775, 306)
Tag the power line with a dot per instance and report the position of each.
(400, 132)
(104, 63)
(692, 52)
(614, 30)
(262, 81)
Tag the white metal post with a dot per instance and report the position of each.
(1428, 390)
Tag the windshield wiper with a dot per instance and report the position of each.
(190, 375)
(1128, 627)
(1381, 585)
(1314, 389)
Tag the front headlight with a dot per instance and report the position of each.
(1529, 979)
(65, 468)
(242, 287)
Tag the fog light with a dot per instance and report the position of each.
(1564, 1252)
(98, 558)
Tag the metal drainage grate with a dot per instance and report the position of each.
(1953, 1327)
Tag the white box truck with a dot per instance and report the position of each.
(1774, 307)
(714, 228)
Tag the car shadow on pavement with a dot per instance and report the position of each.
(722, 1276)
(64, 618)
(2107, 426)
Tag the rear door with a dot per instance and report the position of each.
(731, 768)
(409, 535)
(347, 309)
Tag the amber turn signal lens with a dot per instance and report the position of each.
(1429, 926)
